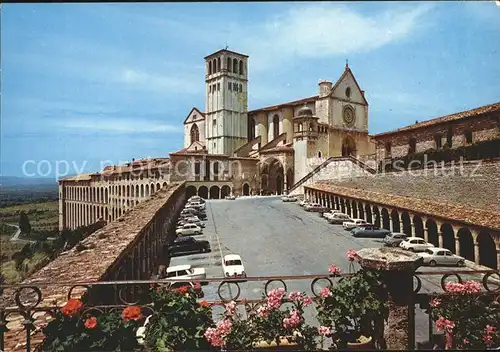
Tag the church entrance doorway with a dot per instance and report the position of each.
(348, 146)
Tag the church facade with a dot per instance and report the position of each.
(284, 142)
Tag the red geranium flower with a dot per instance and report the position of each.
(132, 313)
(204, 304)
(91, 323)
(72, 307)
(182, 290)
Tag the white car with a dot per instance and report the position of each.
(196, 199)
(303, 203)
(233, 266)
(350, 224)
(195, 220)
(195, 205)
(330, 213)
(338, 218)
(188, 230)
(415, 244)
(441, 256)
(314, 207)
(289, 198)
(231, 197)
(185, 272)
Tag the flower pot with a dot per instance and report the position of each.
(362, 343)
(284, 345)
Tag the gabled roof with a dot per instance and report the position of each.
(198, 111)
(448, 118)
(346, 72)
(290, 103)
(191, 149)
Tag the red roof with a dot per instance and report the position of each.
(290, 103)
(448, 118)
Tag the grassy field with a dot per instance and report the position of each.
(39, 214)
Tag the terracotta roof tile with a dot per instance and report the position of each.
(465, 214)
(290, 103)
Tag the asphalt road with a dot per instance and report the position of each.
(279, 239)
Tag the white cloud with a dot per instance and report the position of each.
(118, 125)
(318, 31)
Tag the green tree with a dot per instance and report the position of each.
(24, 223)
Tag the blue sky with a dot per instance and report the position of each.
(89, 83)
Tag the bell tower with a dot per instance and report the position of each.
(226, 107)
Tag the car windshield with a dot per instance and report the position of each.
(233, 262)
(428, 251)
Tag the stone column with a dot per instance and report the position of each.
(440, 238)
(457, 246)
(476, 253)
(426, 233)
(397, 268)
(498, 259)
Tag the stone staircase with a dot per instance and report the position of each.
(333, 168)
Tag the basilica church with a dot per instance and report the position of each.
(274, 146)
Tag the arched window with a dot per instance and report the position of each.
(218, 64)
(276, 126)
(214, 65)
(319, 154)
(300, 127)
(195, 134)
(210, 67)
(388, 149)
(251, 129)
(229, 64)
(241, 67)
(235, 66)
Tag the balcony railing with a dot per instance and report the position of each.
(25, 309)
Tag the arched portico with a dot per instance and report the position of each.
(214, 192)
(225, 191)
(348, 146)
(487, 250)
(273, 172)
(466, 244)
(203, 192)
(246, 189)
(448, 237)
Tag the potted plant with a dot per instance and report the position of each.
(76, 329)
(278, 328)
(353, 312)
(269, 328)
(179, 321)
(479, 331)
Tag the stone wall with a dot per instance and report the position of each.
(482, 127)
(126, 249)
(473, 184)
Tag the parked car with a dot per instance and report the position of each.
(195, 220)
(315, 207)
(303, 202)
(185, 245)
(338, 218)
(441, 256)
(193, 212)
(287, 198)
(196, 199)
(329, 213)
(350, 224)
(185, 271)
(370, 231)
(233, 266)
(415, 244)
(394, 239)
(189, 230)
(195, 204)
(231, 197)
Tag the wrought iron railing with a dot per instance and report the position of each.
(25, 309)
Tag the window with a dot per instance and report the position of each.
(235, 66)
(195, 134)
(197, 168)
(241, 88)
(319, 154)
(218, 64)
(468, 136)
(251, 129)
(413, 145)
(229, 64)
(438, 141)
(300, 127)
(229, 85)
(348, 92)
(241, 67)
(218, 86)
(210, 68)
(235, 87)
(276, 126)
